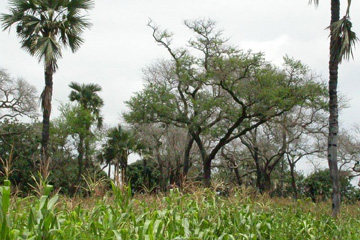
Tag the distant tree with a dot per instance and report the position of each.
(319, 187)
(349, 151)
(221, 93)
(17, 97)
(144, 179)
(286, 140)
(119, 145)
(170, 147)
(74, 120)
(86, 95)
(342, 42)
(44, 27)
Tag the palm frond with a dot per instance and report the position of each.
(44, 26)
(344, 39)
(81, 4)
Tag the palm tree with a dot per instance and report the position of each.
(44, 28)
(89, 100)
(121, 143)
(342, 41)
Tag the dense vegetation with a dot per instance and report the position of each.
(220, 119)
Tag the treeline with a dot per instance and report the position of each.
(211, 113)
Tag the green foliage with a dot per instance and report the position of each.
(89, 100)
(143, 179)
(217, 92)
(44, 27)
(201, 215)
(318, 186)
(19, 142)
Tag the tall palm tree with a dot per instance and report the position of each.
(89, 100)
(342, 41)
(44, 28)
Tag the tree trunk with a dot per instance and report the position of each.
(146, 181)
(163, 184)
(258, 170)
(124, 165)
(266, 185)
(88, 163)
(282, 175)
(187, 156)
(46, 97)
(293, 181)
(109, 170)
(238, 178)
(333, 109)
(207, 173)
(80, 158)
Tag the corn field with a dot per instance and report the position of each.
(200, 215)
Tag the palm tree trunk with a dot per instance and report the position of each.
(80, 157)
(88, 163)
(46, 97)
(333, 109)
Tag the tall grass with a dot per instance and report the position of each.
(198, 215)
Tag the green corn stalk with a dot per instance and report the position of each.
(42, 220)
(5, 222)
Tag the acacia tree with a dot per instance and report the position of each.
(17, 97)
(44, 28)
(289, 137)
(221, 95)
(168, 147)
(342, 41)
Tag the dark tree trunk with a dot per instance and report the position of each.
(207, 173)
(46, 105)
(163, 184)
(282, 175)
(109, 170)
(333, 109)
(237, 175)
(187, 156)
(266, 185)
(293, 180)
(88, 163)
(145, 175)
(80, 158)
(258, 170)
(124, 165)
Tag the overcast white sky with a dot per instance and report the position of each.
(120, 44)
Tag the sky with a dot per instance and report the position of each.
(119, 45)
